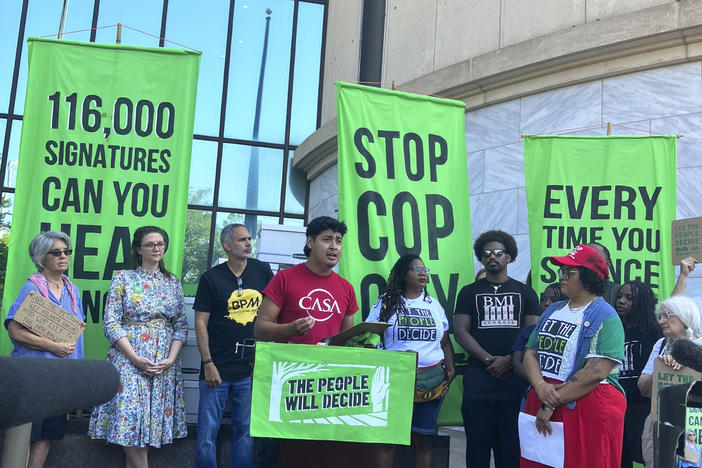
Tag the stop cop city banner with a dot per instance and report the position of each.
(106, 142)
(618, 191)
(332, 393)
(403, 188)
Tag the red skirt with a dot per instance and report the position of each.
(593, 430)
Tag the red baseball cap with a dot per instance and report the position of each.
(584, 256)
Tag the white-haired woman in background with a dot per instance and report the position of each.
(678, 317)
(51, 253)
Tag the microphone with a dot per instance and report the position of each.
(37, 388)
(688, 354)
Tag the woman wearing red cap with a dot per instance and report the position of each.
(572, 362)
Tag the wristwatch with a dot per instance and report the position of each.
(206, 361)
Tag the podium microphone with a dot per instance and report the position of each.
(688, 354)
(35, 388)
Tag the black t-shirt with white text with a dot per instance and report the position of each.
(497, 316)
(637, 348)
(232, 315)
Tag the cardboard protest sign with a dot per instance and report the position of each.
(583, 189)
(48, 320)
(686, 239)
(664, 376)
(332, 393)
(106, 142)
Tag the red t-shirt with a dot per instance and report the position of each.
(299, 292)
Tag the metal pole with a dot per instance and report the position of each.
(119, 34)
(15, 449)
(62, 24)
(252, 183)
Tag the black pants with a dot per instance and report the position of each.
(491, 425)
(633, 427)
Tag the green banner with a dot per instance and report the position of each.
(106, 141)
(332, 393)
(403, 188)
(618, 191)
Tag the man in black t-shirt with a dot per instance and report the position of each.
(488, 317)
(226, 304)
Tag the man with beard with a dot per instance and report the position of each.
(227, 301)
(488, 317)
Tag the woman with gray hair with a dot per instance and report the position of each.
(678, 317)
(51, 253)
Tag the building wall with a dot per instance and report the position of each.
(662, 99)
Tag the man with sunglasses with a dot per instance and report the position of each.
(488, 317)
(227, 301)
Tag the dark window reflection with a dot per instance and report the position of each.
(43, 20)
(251, 178)
(245, 71)
(203, 29)
(308, 50)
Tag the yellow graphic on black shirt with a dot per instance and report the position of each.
(242, 309)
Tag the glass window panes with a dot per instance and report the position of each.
(247, 49)
(251, 178)
(295, 189)
(13, 153)
(136, 14)
(9, 27)
(197, 240)
(203, 29)
(203, 164)
(7, 201)
(43, 19)
(308, 53)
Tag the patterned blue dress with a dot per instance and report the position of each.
(148, 309)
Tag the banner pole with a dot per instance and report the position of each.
(119, 34)
(62, 23)
(609, 128)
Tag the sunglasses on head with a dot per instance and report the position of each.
(496, 252)
(58, 253)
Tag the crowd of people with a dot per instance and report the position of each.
(578, 362)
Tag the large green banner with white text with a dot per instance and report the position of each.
(332, 393)
(403, 188)
(106, 141)
(618, 191)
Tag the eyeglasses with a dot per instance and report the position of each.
(156, 246)
(565, 273)
(58, 253)
(420, 270)
(496, 252)
(665, 314)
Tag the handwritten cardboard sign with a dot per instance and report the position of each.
(48, 320)
(686, 239)
(664, 376)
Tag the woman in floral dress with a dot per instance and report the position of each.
(147, 327)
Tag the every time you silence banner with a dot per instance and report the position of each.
(618, 191)
(106, 143)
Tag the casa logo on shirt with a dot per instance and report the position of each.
(320, 304)
(499, 310)
(243, 309)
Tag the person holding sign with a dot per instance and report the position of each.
(572, 361)
(419, 324)
(146, 324)
(690, 457)
(679, 318)
(636, 305)
(488, 318)
(51, 253)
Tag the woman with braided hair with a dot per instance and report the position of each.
(418, 324)
(635, 306)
